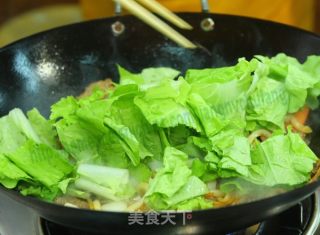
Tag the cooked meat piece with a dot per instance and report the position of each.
(315, 172)
(72, 200)
(102, 84)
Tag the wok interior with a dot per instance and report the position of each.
(39, 70)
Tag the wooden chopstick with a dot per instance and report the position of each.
(156, 7)
(150, 19)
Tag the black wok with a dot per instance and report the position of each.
(37, 71)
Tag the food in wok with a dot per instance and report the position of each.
(160, 140)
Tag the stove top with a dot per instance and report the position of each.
(302, 219)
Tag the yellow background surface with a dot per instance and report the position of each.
(299, 13)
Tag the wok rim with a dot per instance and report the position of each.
(129, 17)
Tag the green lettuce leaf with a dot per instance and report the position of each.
(207, 168)
(169, 179)
(140, 173)
(44, 164)
(282, 160)
(95, 142)
(225, 139)
(294, 76)
(191, 149)
(178, 135)
(43, 128)
(173, 183)
(136, 150)
(165, 105)
(197, 203)
(192, 189)
(198, 167)
(147, 76)
(127, 77)
(268, 104)
(236, 159)
(211, 122)
(224, 89)
(312, 66)
(125, 112)
(40, 191)
(11, 137)
(80, 140)
(91, 137)
(112, 151)
(64, 107)
(10, 174)
(23, 124)
(16, 129)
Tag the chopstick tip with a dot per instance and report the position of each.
(187, 27)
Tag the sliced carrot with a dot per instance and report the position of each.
(302, 115)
